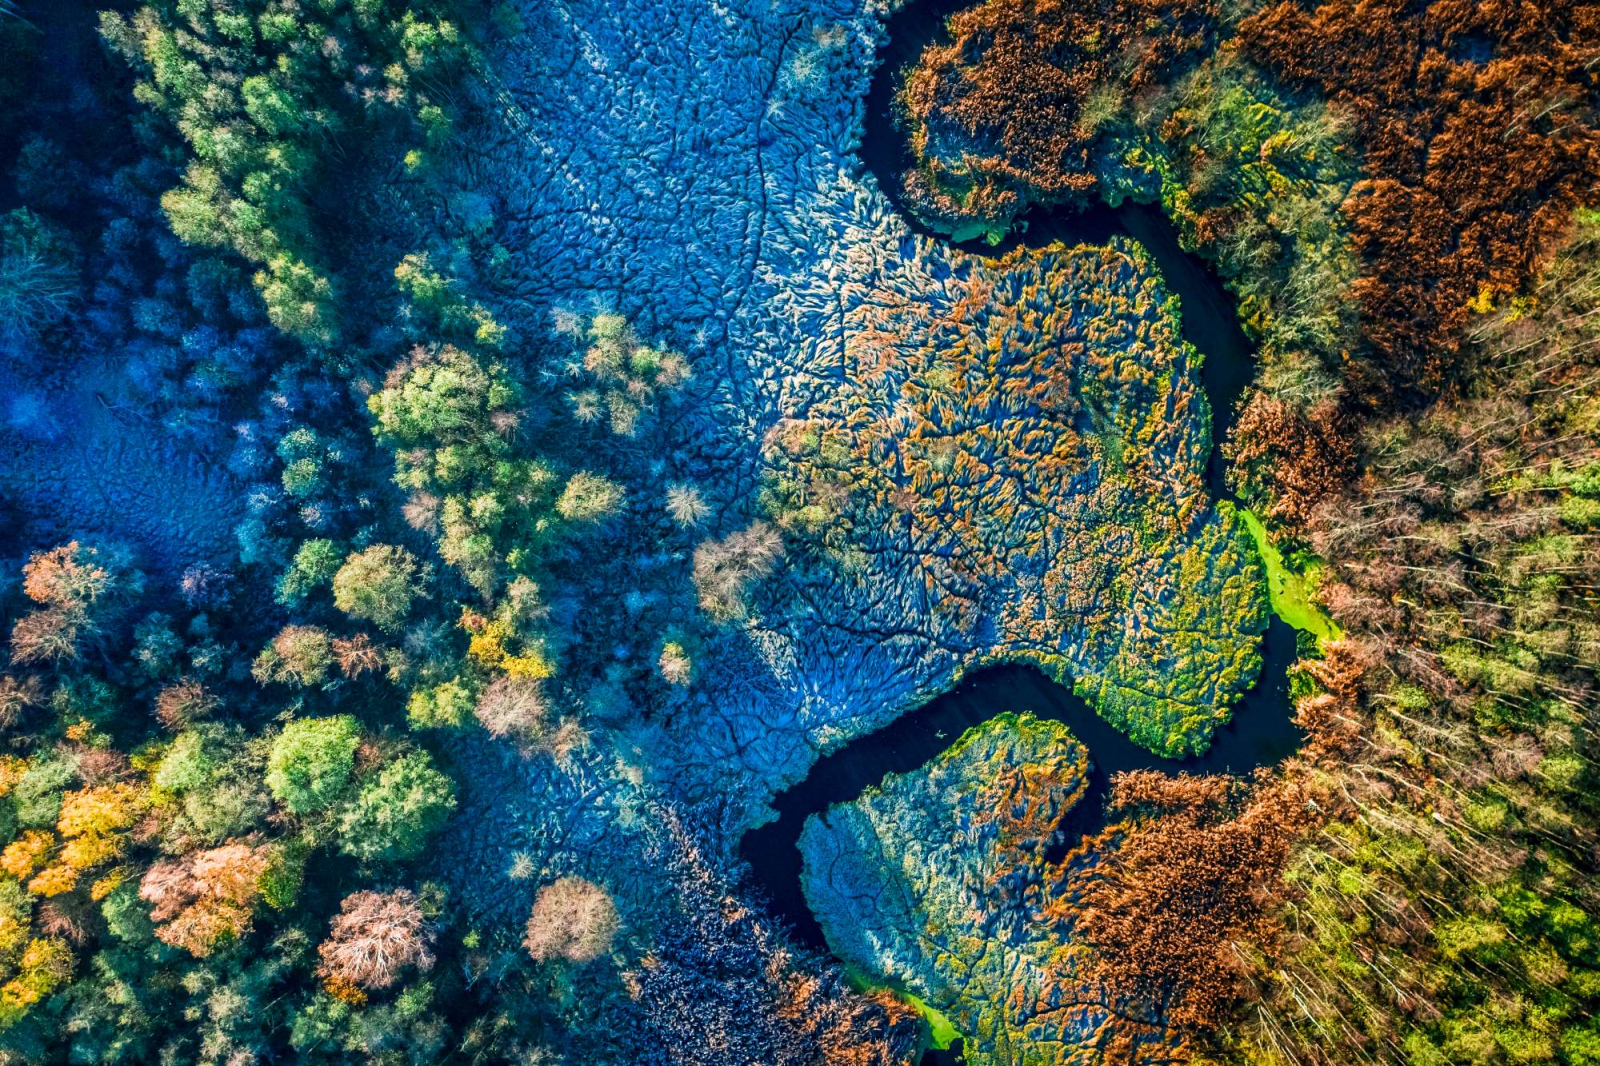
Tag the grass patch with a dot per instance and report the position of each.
(1289, 587)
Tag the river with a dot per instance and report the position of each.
(1261, 731)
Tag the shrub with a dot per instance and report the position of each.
(724, 569)
(573, 919)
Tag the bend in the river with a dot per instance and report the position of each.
(1261, 731)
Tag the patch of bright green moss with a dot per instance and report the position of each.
(1289, 587)
(942, 1032)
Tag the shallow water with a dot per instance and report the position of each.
(1261, 731)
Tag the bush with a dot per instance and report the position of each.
(724, 569)
(573, 919)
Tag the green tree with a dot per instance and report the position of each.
(311, 762)
(397, 810)
(377, 585)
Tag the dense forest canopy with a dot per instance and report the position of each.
(460, 461)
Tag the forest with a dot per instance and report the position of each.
(461, 461)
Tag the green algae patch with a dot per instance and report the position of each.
(942, 1032)
(936, 886)
(1289, 588)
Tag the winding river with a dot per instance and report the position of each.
(1261, 731)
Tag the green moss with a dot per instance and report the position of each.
(942, 1032)
(1289, 587)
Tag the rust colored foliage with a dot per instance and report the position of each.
(1006, 111)
(1197, 871)
(1332, 718)
(1478, 123)
(374, 937)
(1299, 458)
(180, 705)
(205, 897)
(77, 586)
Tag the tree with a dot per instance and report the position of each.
(374, 937)
(206, 897)
(573, 919)
(514, 707)
(315, 564)
(298, 655)
(183, 703)
(396, 810)
(81, 587)
(311, 762)
(38, 281)
(589, 498)
(377, 584)
(1457, 157)
(1008, 111)
(687, 505)
(1196, 867)
(724, 569)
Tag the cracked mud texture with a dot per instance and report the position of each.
(78, 464)
(1023, 439)
(937, 882)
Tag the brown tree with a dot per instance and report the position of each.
(724, 569)
(374, 937)
(573, 919)
(1296, 458)
(205, 897)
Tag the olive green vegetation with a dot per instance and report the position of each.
(1253, 179)
(1291, 587)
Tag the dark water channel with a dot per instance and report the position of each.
(1261, 731)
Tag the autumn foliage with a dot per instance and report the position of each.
(573, 919)
(1194, 874)
(1478, 127)
(1299, 458)
(206, 897)
(1006, 112)
(374, 937)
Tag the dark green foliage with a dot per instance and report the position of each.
(257, 91)
(396, 810)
